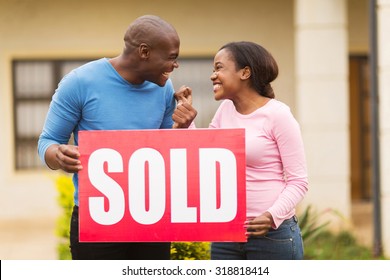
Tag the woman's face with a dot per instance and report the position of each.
(226, 78)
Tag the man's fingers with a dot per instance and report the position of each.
(184, 95)
(189, 98)
(68, 158)
(69, 150)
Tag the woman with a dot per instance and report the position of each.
(276, 176)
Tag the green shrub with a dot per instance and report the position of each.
(322, 244)
(190, 251)
(308, 223)
(65, 189)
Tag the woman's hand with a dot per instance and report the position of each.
(259, 226)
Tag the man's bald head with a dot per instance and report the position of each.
(148, 29)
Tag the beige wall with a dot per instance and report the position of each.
(95, 28)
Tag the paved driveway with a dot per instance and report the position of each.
(28, 240)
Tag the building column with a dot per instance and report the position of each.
(321, 55)
(383, 13)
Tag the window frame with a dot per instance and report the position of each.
(28, 142)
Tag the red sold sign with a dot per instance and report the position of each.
(162, 185)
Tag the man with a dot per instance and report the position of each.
(130, 91)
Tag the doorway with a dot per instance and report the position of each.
(361, 170)
(360, 143)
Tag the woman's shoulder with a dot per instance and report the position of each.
(226, 104)
(279, 111)
(274, 107)
(279, 105)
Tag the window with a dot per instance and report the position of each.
(36, 80)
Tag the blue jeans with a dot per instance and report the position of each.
(284, 243)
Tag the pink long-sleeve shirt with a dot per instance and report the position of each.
(276, 173)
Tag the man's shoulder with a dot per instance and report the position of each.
(92, 65)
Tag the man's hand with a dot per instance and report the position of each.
(65, 157)
(184, 113)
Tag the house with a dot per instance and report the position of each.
(323, 48)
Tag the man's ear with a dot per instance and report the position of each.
(246, 73)
(144, 51)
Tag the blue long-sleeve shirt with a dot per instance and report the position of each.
(95, 97)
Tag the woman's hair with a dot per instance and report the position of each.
(263, 66)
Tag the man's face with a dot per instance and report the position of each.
(163, 59)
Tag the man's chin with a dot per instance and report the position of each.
(162, 81)
(160, 84)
